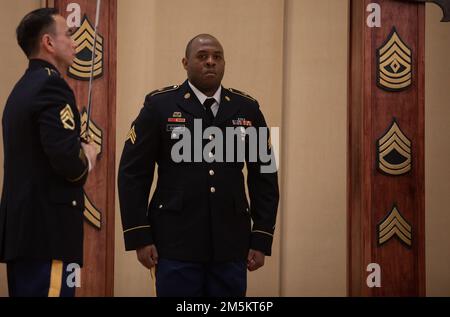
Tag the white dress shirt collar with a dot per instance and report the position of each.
(202, 97)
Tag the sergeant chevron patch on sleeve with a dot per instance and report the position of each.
(67, 118)
(132, 137)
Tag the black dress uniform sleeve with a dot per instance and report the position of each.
(136, 175)
(264, 196)
(59, 133)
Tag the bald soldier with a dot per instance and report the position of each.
(199, 229)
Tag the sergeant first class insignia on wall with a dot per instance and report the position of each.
(67, 118)
(394, 62)
(394, 152)
(84, 38)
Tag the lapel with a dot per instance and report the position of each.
(188, 101)
(228, 107)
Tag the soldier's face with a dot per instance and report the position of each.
(64, 46)
(205, 64)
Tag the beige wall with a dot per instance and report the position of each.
(13, 64)
(315, 148)
(308, 100)
(437, 147)
(150, 48)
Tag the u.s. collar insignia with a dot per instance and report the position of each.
(67, 118)
(84, 38)
(132, 135)
(394, 152)
(394, 62)
(51, 71)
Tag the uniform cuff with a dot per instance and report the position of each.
(262, 241)
(137, 237)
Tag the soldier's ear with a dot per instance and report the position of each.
(47, 43)
(184, 62)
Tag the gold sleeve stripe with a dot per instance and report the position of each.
(136, 228)
(80, 177)
(153, 275)
(83, 157)
(263, 232)
(56, 277)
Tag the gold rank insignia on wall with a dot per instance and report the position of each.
(95, 133)
(394, 62)
(91, 214)
(394, 152)
(132, 135)
(84, 38)
(395, 225)
(67, 118)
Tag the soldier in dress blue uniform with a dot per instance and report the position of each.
(46, 165)
(199, 229)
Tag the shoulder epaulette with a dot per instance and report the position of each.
(164, 90)
(243, 94)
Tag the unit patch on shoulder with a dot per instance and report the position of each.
(67, 118)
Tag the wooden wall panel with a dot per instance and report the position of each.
(373, 194)
(97, 277)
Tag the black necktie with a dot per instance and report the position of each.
(209, 114)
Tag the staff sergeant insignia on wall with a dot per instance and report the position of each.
(395, 225)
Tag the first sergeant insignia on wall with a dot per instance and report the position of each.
(394, 152)
(394, 62)
(84, 38)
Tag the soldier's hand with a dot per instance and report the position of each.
(90, 151)
(148, 256)
(255, 260)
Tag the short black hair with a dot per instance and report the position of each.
(32, 27)
(189, 45)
